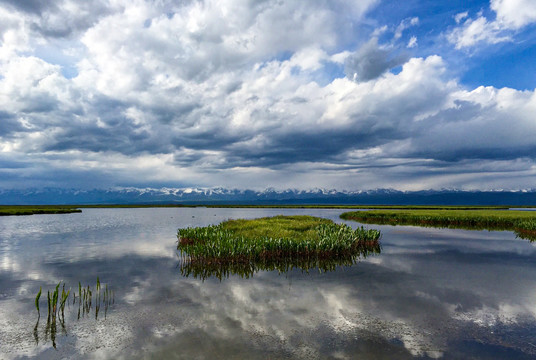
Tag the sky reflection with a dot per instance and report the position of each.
(437, 293)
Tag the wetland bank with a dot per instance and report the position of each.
(429, 292)
(522, 223)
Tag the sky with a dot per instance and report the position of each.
(251, 94)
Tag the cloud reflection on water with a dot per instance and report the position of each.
(431, 292)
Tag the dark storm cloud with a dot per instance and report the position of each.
(274, 146)
(111, 132)
(105, 127)
(233, 86)
(370, 61)
(38, 170)
(469, 152)
(208, 139)
(52, 19)
(471, 131)
(8, 124)
(59, 30)
(30, 6)
(177, 114)
(294, 147)
(40, 103)
(119, 136)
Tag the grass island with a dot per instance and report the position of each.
(273, 239)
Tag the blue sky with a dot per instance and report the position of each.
(253, 94)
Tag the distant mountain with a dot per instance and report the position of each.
(268, 196)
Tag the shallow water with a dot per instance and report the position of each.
(431, 293)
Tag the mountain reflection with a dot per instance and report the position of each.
(246, 269)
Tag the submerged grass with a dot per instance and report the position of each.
(272, 239)
(523, 223)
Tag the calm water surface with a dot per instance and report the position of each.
(431, 293)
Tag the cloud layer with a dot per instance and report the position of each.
(250, 94)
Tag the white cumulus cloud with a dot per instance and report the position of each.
(511, 15)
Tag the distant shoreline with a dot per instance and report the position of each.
(523, 223)
(19, 210)
(6, 210)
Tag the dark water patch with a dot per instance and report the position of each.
(477, 350)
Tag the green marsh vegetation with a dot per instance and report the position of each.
(6, 210)
(523, 223)
(274, 243)
(56, 302)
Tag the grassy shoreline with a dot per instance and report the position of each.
(7, 210)
(523, 223)
(273, 238)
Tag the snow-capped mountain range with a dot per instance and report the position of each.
(166, 195)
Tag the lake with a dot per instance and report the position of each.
(431, 293)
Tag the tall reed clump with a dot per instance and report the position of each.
(280, 237)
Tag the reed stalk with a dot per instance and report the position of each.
(37, 301)
(49, 303)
